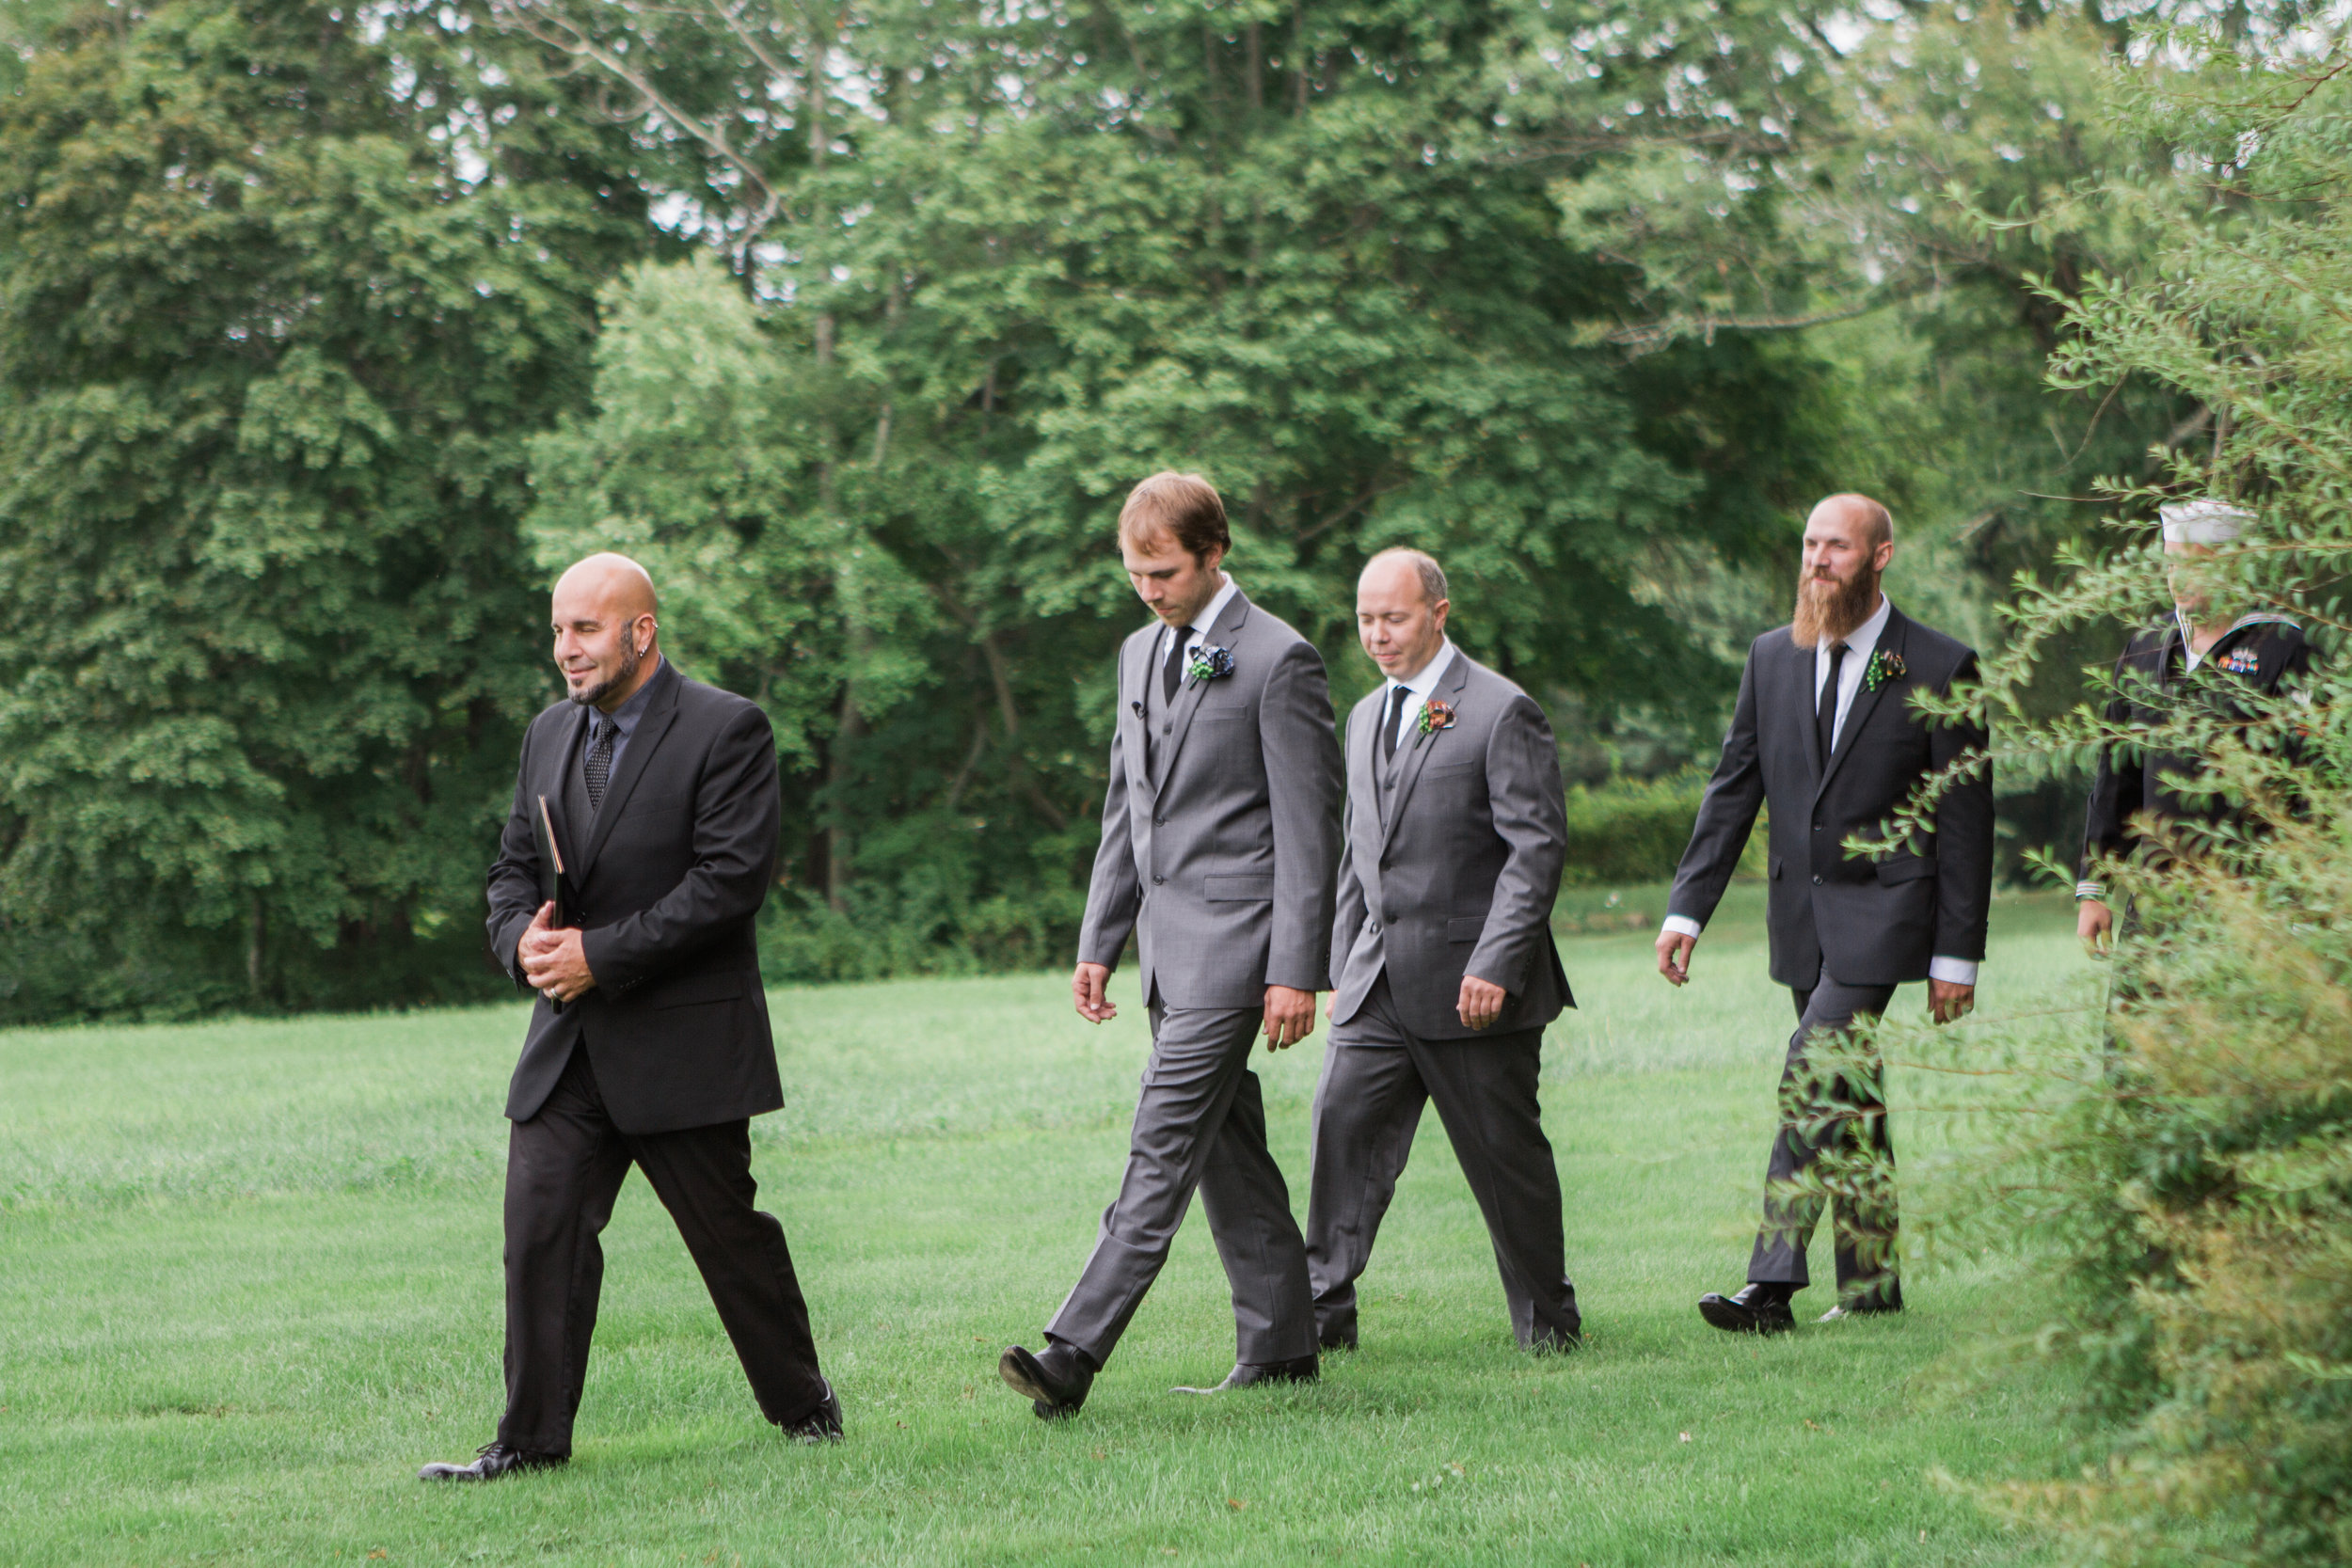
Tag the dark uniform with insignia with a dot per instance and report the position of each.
(2264, 650)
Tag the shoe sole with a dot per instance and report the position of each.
(1734, 1320)
(1047, 1407)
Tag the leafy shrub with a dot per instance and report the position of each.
(1634, 831)
(2179, 1161)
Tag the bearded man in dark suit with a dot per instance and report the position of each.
(1825, 733)
(649, 1043)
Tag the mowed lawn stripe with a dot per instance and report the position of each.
(248, 1281)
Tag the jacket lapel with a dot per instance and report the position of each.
(554, 782)
(1866, 701)
(1132, 710)
(1222, 634)
(1365, 817)
(661, 709)
(1449, 688)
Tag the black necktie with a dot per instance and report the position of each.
(1825, 705)
(598, 771)
(1173, 673)
(1395, 723)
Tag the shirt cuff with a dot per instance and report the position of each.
(1952, 972)
(1682, 926)
(2091, 889)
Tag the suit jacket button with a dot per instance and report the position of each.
(1817, 882)
(1389, 915)
(1157, 880)
(1375, 927)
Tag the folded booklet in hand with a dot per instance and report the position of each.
(555, 886)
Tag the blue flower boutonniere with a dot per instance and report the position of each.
(1884, 667)
(1209, 664)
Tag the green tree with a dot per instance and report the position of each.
(287, 286)
(997, 266)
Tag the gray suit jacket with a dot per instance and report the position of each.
(1452, 869)
(1219, 841)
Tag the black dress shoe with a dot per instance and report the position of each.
(1336, 1341)
(1559, 1344)
(1055, 1382)
(820, 1425)
(1757, 1309)
(495, 1460)
(1249, 1374)
(1868, 1304)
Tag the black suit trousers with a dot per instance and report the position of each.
(1822, 1110)
(564, 1167)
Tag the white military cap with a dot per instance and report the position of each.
(2203, 522)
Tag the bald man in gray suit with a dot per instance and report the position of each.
(1220, 835)
(1455, 829)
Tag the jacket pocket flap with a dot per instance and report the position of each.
(1247, 887)
(695, 988)
(1904, 868)
(1468, 928)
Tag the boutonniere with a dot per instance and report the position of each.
(2243, 661)
(1435, 715)
(1208, 664)
(1884, 667)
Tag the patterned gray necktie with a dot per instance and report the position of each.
(598, 771)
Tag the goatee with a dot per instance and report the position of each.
(620, 678)
(1829, 609)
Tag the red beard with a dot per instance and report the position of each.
(1831, 609)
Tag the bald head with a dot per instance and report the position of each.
(613, 582)
(606, 636)
(1400, 612)
(1870, 524)
(1392, 567)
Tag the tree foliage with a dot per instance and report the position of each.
(285, 291)
(2180, 1160)
(893, 301)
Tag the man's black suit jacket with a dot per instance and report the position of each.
(667, 880)
(1869, 923)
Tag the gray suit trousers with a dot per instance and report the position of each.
(1200, 1122)
(1376, 1076)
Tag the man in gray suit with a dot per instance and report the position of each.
(1219, 833)
(1454, 832)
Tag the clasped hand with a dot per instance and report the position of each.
(555, 962)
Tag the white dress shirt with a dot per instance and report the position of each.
(1197, 632)
(1417, 691)
(1860, 644)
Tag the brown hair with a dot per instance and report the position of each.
(1185, 507)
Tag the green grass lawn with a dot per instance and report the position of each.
(249, 1280)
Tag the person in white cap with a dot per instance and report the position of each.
(2265, 649)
